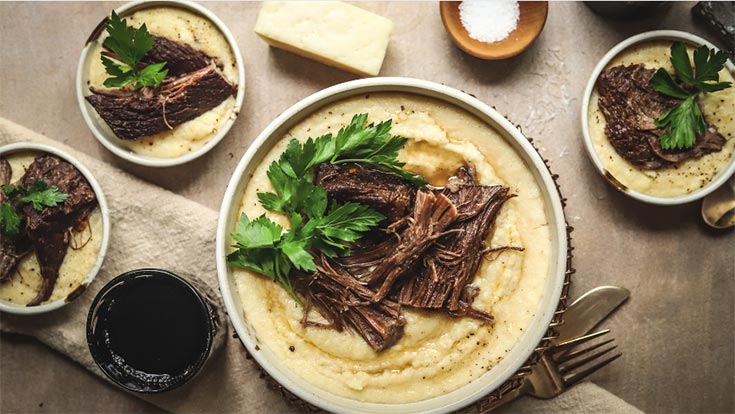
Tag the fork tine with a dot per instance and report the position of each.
(582, 361)
(576, 341)
(564, 357)
(578, 376)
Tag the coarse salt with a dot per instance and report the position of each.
(489, 21)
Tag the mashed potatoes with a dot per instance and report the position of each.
(681, 178)
(81, 256)
(201, 34)
(437, 354)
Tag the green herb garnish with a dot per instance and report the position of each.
(130, 45)
(685, 121)
(40, 195)
(262, 245)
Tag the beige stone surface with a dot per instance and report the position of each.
(678, 330)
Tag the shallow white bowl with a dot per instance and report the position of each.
(673, 35)
(99, 128)
(10, 307)
(466, 394)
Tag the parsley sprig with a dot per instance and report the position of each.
(130, 45)
(316, 224)
(685, 122)
(39, 195)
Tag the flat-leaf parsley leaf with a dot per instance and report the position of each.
(39, 195)
(685, 121)
(129, 46)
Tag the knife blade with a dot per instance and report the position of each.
(589, 310)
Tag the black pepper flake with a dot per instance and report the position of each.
(291, 348)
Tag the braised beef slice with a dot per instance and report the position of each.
(47, 229)
(432, 214)
(346, 303)
(630, 107)
(9, 254)
(180, 58)
(136, 114)
(711, 141)
(385, 192)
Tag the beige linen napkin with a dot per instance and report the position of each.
(152, 227)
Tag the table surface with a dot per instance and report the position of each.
(676, 332)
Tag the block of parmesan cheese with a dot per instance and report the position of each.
(334, 33)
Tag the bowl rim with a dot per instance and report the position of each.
(90, 116)
(557, 260)
(687, 37)
(6, 306)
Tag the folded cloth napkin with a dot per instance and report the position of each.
(152, 227)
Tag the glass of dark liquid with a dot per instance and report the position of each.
(150, 330)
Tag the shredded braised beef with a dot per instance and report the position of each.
(46, 231)
(443, 280)
(432, 214)
(345, 302)
(630, 107)
(431, 246)
(136, 114)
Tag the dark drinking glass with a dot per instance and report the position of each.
(150, 330)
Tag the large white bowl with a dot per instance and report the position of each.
(673, 35)
(102, 131)
(466, 394)
(10, 307)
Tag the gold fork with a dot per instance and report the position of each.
(557, 369)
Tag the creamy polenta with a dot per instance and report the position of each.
(681, 178)
(437, 353)
(201, 34)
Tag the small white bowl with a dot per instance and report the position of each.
(673, 35)
(99, 128)
(466, 394)
(10, 307)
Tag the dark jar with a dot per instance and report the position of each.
(151, 331)
(628, 10)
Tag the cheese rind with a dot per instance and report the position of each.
(334, 33)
